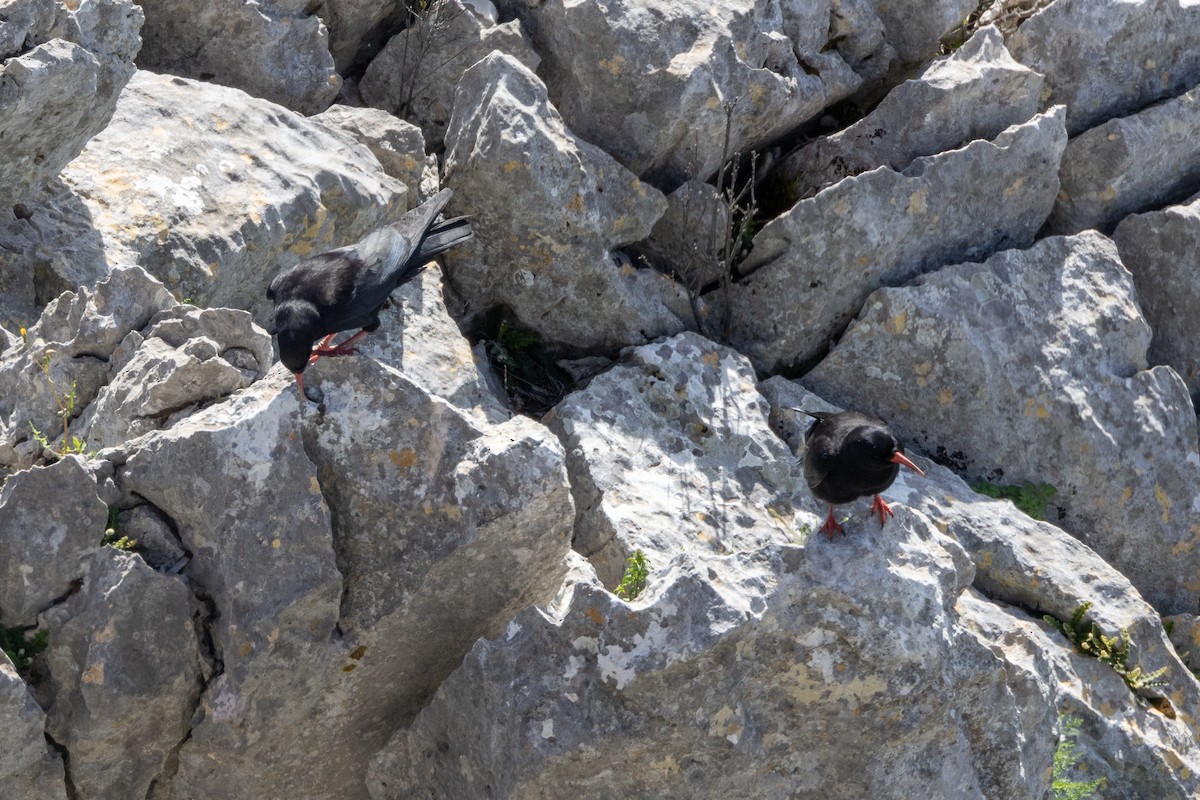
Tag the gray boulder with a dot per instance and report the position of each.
(398, 145)
(650, 81)
(184, 357)
(124, 675)
(769, 681)
(345, 587)
(971, 365)
(29, 767)
(62, 67)
(222, 191)
(1107, 58)
(51, 522)
(672, 444)
(415, 76)
(349, 23)
(1162, 249)
(914, 28)
(688, 239)
(812, 268)
(273, 49)
(64, 363)
(1129, 164)
(1025, 568)
(975, 93)
(549, 210)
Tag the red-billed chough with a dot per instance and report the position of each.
(345, 288)
(851, 455)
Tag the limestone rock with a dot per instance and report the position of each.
(222, 190)
(419, 337)
(1021, 564)
(686, 241)
(157, 544)
(51, 520)
(975, 93)
(672, 444)
(1161, 249)
(914, 28)
(397, 144)
(125, 674)
(548, 211)
(971, 365)
(66, 360)
(349, 23)
(29, 769)
(186, 356)
(813, 267)
(650, 80)
(416, 74)
(62, 67)
(272, 49)
(344, 587)
(769, 682)
(1107, 58)
(1129, 164)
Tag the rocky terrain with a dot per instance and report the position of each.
(690, 219)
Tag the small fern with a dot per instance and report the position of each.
(1066, 760)
(1089, 640)
(1029, 497)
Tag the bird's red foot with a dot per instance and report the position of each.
(340, 350)
(831, 526)
(883, 509)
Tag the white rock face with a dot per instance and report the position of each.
(1032, 366)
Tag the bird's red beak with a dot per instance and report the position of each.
(897, 458)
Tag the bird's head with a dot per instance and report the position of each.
(879, 446)
(297, 326)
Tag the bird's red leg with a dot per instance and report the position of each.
(346, 348)
(883, 509)
(321, 345)
(299, 376)
(831, 526)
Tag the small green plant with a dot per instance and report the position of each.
(113, 539)
(22, 650)
(1029, 497)
(1066, 760)
(1089, 640)
(533, 380)
(66, 402)
(637, 569)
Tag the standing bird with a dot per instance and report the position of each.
(346, 288)
(851, 455)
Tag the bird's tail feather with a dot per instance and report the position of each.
(442, 236)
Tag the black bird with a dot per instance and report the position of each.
(346, 288)
(851, 455)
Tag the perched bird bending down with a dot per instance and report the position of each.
(851, 455)
(346, 288)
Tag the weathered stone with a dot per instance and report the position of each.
(815, 265)
(397, 144)
(1107, 58)
(334, 622)
(672, 89)
(222, 190)
(51, 521)
(416, 74)
(65, 361)
(61, 69)
(124, 675)
(185, 357)
(548, 210)
(272, 49)
(914, 28)
(29, 769)
(157, 544)
(1129, 164)
(975, 93)
(1022, 563)
(1032, 366)
(1162, 249)
(349, 23)
(420, 338)
(672, 445)
(770, 682)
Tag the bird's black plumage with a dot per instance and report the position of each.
(345, 288)
(851, 455)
